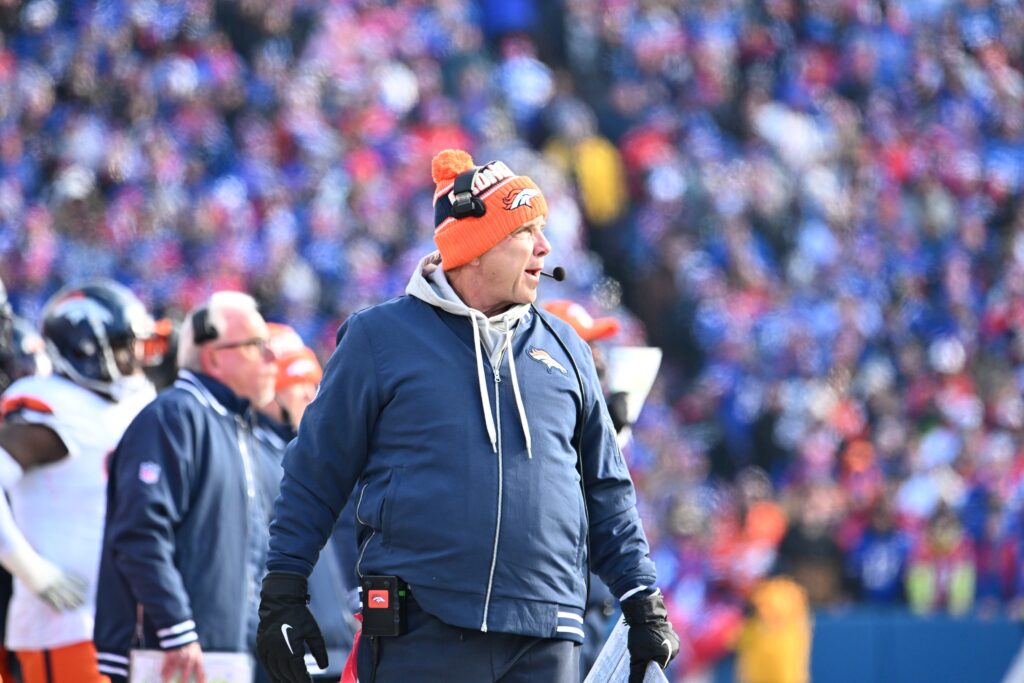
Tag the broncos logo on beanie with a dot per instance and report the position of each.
(516, 198)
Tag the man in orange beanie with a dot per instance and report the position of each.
(486, 471)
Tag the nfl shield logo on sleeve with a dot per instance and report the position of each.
(149, 472)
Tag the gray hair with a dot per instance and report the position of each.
(216, 305)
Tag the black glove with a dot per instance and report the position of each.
(651, 638)
(286, 628)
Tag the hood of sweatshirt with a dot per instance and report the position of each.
(491, 334)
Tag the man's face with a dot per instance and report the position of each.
(510, 271)
(295, 397)
(240, 357)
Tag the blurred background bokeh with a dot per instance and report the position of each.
(812, 206)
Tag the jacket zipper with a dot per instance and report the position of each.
(497, 524)
(242, 432)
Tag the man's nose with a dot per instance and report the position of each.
(541, 246)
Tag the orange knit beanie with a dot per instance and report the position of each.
(510, 201)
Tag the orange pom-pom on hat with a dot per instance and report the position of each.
(448, 164)
(509, 201)
(296, 363)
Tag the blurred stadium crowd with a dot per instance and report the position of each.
(813, 207)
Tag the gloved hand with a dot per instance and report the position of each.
(286, 628)
(59, 589)
(651, 638)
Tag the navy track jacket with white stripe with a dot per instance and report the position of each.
(186, 527)
(489, 537)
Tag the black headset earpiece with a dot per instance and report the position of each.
(202, 330)
(466, 204)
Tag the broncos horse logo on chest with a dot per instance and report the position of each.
(542, 356)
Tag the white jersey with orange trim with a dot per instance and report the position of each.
(60, 508)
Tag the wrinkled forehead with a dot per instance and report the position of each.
(536, 222)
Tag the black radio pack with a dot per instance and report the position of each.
(384, 599)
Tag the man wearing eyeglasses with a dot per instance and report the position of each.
(188, 508)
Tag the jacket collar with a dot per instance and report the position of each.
(212, 392)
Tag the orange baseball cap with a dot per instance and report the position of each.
(296, 362)
(589, 328)
(301, 367)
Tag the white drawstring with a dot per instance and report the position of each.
(484, 400)
(515, 390)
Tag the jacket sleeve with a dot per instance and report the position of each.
(150, 471)
(323, 464)
(619, 550)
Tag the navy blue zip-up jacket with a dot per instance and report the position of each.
(186, 529)
(489, 538)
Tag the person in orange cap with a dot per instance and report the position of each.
(593, 330)
(589, 328)
(332, 583)
(298, 375)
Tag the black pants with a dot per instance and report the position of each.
(433, 652)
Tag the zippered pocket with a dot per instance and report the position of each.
(376, 502)
(388, 506)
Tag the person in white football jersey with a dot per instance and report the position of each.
(55, 436)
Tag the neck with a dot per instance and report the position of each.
(275, 411)
(495, 310)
